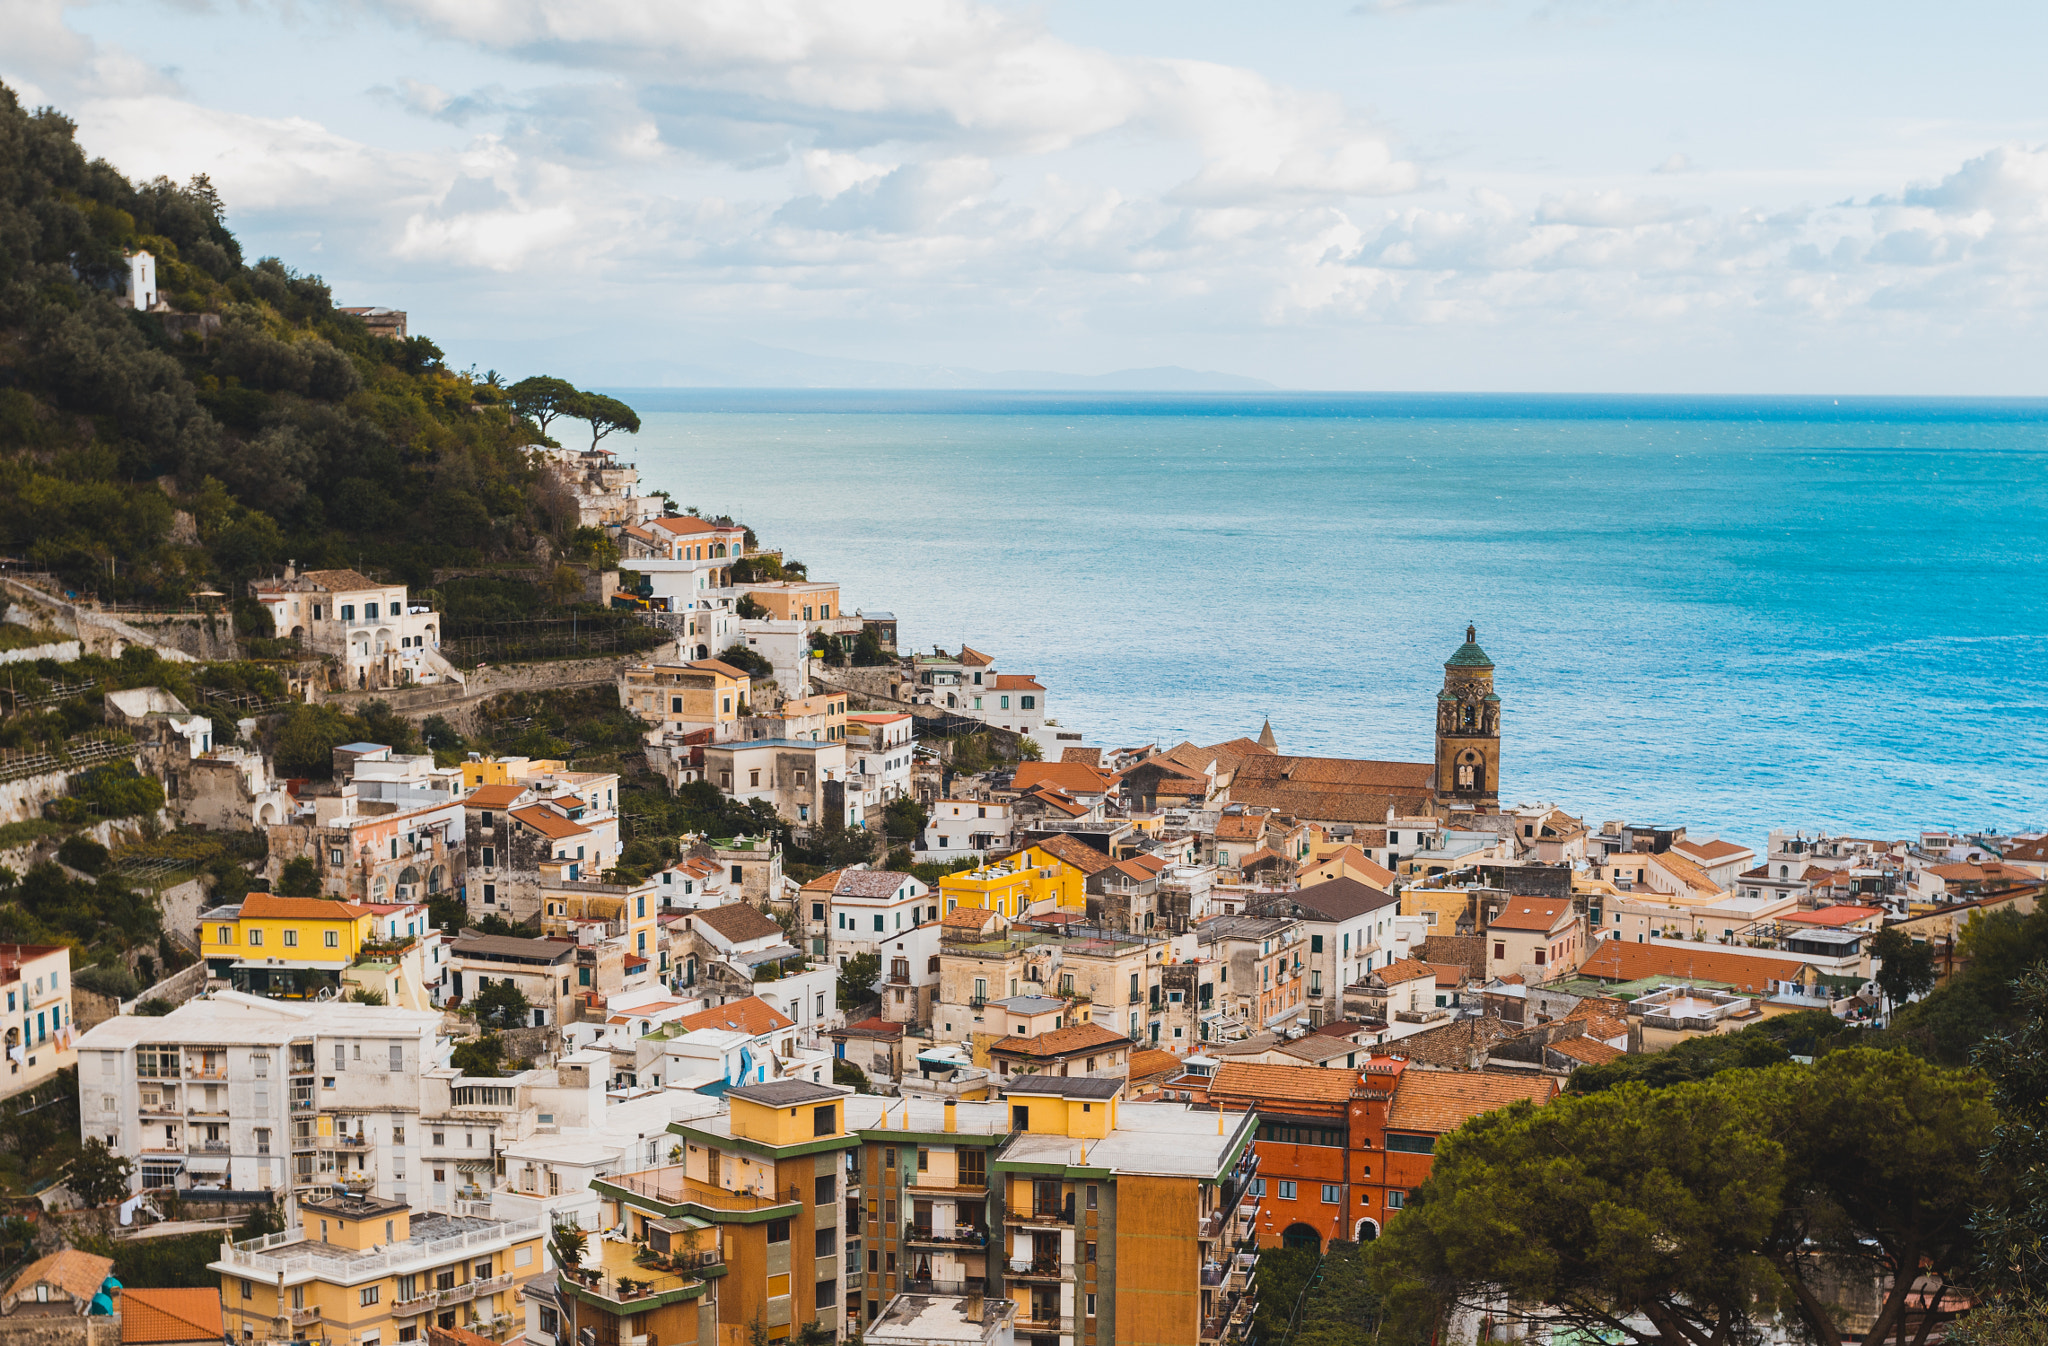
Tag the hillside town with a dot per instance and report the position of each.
(1068, 1036)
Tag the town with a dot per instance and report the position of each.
(1053, 1046)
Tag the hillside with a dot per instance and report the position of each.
(144, 462)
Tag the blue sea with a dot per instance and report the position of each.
(1729, 613)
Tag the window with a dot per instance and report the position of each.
(1332, 1194)
(827, 1241)
(369, 612)
(1396, 1200)
(255, 942)
(333, 939)
(1091, 1306)
(778, 1286)
(754, 777)
(778, 1232)
(348, 612)
(824, 1122)
(490, 856)
(291, 939)
(1287, 1189)
(827, 1188)
(397, 1063)
(1092, 1193)
(340, 1056)
(828, 1291)
(248, 1290)
(334, 857)
(1315, 943)
(1028, 703)
(259, 1064)
(368, 1295)
(1500, 950)
(1411, 1144)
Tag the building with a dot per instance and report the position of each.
(361, 1270)
(36, 979)
(61, 1285)
(1350, 929)
(545, 971)
(1318, 1142)
(967, 829)
(253, 1095)
(160, 1317)
(365, 850)
(377, 638)
(388, 323)
(879, 752)
(1077, 1050)
(804, 782)
(678, 698)
(1539, 938)
(969, 685)
(284, 946)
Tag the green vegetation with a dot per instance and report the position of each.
(98, 1175)
(1338, 1308)
(116, 790)
(856, 985)
(904, 819)
(746, 661)
(852, 1076)
(103, 918)
(499, 1003)
(143, 461)
(2012, 1227)
(180, 1261)
(1774, 1041)
(1981, 1001)
(15, 637)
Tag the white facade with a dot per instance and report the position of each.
(787, 648)
(961, 829)
(381, 639)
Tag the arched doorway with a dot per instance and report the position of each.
(1303, 1237)
(1368, 1230)
(703, 651)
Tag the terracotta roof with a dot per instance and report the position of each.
(967, 918)
(262, 906)
(1405, 969)
(2033, 849)
(1073, 777)
(1317, 1047)
(341, 581)
(1835, 916)
(690, 524)
(150, 1314)
(1014, 682)
(872, 1028)
(1131, 869)
(494, 796)
(825, 883)
(547, 822)
(1074, 1040)
(1619, 960)
(720, 667)
(1590, 1051)
(456, 1336)
(974, 658)
(1450, 974)
(1540, 914)
(739, 922)
(1079, 854)
(1089, 757)
(752, 1016)
(1333, 789)
(1149, 1061)
(1686, 872)
(1440, 1101)
(77, 1273)
(1055, 799)
(1241, 827)
(1257, 1083)
(1713, 850)
(1149, 862)
(1455, 1043)
(1263, 855)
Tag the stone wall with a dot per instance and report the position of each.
(69, 1329)
(63, 651)
(203, 635)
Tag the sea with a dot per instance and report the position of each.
(1732, 614)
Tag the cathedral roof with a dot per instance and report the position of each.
(1469, 654)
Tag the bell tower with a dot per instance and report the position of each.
(1468, 732)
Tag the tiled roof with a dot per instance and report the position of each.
(1455, 1043)
(690, 525)
(1539, 914)
(824, 883)
(1333, 789)
(151, 1315)
(873, 1028)
(262, 906)
(1339, 899)
(1263, 855)
(1150, 1061)
(1405, 969)
(1055, 799)
(2034, 849)
(1835, 916)
(1019, 682)
(1588, 1050)
(1308, 1084)
(1078, 1038)
(1088, 757)
(340, 581)
(494, 796)
(1619, 960)
(78, 1273)
(1438, 1102)
(869, 883)
(1079, 854)
(1450, 974)
(1241, 827)
(548, 823)
(967, 918)
(739, 922)
(753, 1016)
(1686, 872)
(718, 666)
(973, 658)
(1714, 850)
(1073, 777)
(1317, 1047)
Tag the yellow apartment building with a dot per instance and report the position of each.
(365, 1272)
(478, 771)
(289, 946)
(1012, 886)
(706, 693)
(796, 600)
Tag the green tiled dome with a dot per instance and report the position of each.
(1469, 654)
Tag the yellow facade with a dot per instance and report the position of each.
(291, 928)
(506, 770)
(797, 1125)
(1056, 1115)
(686, 694)
(307, 1289)
(1017, 884)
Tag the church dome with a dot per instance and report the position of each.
(1469, 654)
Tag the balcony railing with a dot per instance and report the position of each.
(1043, 1320)
(1041, 1269)
(623, 1289)
(289, 1253)
(207, 1147)
(672, 1186)
(960, 1236)
(927, 1285)
(301, 1317)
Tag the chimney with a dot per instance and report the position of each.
(291, 569)
(952, 1115)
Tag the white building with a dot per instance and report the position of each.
(879, 752)
(968, 829)
(380, 638)
(896, 918)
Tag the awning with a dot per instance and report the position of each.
(213, 1163)
(475, 1165)
(289, 965)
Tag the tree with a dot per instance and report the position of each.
(847, 1073)
(605, 415)
(1906, 966)
(481, 1058)
(568, 1243)
(541, 399)
(904, 818)
(447, 912)
(1631, 1202)
(857, 980)
(500, 1002)
(98, 1175)
(299, 878)
(2012, 1226)
(1029, 751)
(364, 996)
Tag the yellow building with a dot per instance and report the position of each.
(758, 1200)
(290, 946)
(366, 1272)
(705, 693)
(1017, 883)
(796, 600)
(36, 979)
(506, 770)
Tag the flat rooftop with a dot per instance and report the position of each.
(1168, 1140)
(928, 1318)
(864, 1112)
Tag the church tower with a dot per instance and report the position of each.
(1468, 732)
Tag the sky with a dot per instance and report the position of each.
(1568, 195)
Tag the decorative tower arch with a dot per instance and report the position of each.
(1468, 732)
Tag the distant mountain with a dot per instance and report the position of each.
(695, 363)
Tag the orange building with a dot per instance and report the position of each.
(1318, 1139)
(1426, 1105)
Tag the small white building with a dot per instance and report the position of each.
(381, 639)
(968, 829)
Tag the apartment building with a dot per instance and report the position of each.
(746, 1227)
(880, 747)
(804, 782)
(679, 698)
(1539, 938)
(545, 971)
(1261, 982)
(379, 638)
(255, 1094)
(362, 1271)
(284, 946)
(36, 979)
(1349, 926)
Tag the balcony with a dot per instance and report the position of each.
(623, 1285)
(927, 1285)
(302, 1317)
(207, 1110)
(672, 1186)
(1046, 1320)
(207, 1147)
(1041, 1269)
(1058, 1215)
(193, 1072)
(960, 1236)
